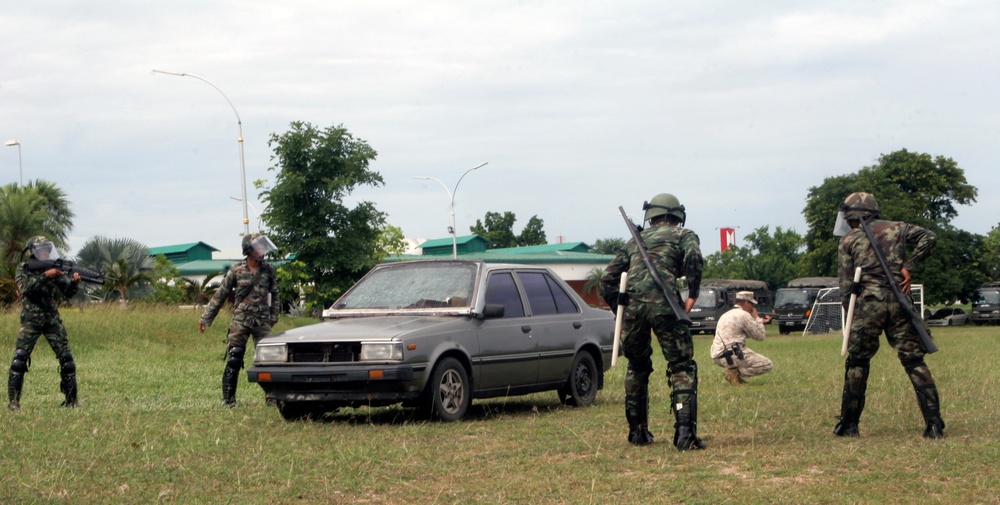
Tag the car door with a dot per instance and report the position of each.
(508, 349)
(556, 322)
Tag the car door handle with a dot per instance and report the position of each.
(526, 329)
(577, 325)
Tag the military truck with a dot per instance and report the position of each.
(718, 296)
(793, 303)
(986, 304)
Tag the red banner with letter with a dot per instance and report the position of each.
(727, 237)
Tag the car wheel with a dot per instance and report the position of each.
(300, 411)
(782, 330)
(448, 395)
(581, 386)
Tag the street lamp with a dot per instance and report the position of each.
(12, 143)
(239, 126)
(451, 195)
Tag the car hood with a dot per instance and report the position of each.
(371, 328)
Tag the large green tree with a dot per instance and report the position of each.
(38, 208)
(498, 229)
(773, 259)
(315, 171)
(914, 187)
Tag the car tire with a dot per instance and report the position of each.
(448, 394)
(580, 389)
(782, 330)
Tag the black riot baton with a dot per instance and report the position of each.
(925, 338)
(675, 306)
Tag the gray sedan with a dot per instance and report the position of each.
(436, 334)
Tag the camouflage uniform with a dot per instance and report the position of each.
(40, 316)
(676, 252)
(256, 309)
(904, 246)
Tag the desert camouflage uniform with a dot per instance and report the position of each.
(676, 252)
(256, 308)
(734, 327)
(878, 311)
(40, 316)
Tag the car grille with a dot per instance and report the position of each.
(324, 352)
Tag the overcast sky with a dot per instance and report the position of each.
(736, 107)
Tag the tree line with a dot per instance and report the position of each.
(327, 244)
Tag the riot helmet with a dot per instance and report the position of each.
(42, 248)
(259, 244)
(664, 204)
(856, 207)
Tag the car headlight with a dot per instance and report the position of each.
(372, 351)
(271, 353)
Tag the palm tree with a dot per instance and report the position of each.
(593, 281)
(127, 264)
(199, 293)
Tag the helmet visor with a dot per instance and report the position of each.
(262, 245)
(840, 227)
(45, 251)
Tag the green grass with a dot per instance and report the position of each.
(151, 430)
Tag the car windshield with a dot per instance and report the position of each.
(791, 297)
(986, 298)
(414, 285)
(707, 298)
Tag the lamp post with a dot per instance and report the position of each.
(239, 126)
(12, 143)
(451, 196)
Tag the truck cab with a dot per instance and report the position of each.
(717, 296)
(793, 303)
(986, 304)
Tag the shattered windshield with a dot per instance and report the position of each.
(413, 286)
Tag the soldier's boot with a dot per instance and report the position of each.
(231, 375)
(684, 404)
(734, 376)
(686, 416)
(67, 383)
(927, 397)
(637, 414)
(15, 381)
(853, 400)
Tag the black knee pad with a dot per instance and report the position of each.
(689, 366)
(21, 361)
(912, 363)
(236, 357)
(853, 362)
(66, 363)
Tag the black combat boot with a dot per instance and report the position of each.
(230, 377)
(637, 414)
(927, 396)
(18, 367)
(852, 402)
(686, 416)
(851, 407)
(67, 384)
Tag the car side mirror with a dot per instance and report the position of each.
(492, 310)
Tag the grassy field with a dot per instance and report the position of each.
(151, 430)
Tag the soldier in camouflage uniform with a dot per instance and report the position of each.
(676, 252)
(905, 246)
(256, 307)
(40, 316)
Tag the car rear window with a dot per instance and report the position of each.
(545, 295)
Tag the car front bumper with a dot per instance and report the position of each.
(336, 383)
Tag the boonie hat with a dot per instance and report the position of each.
(746, 296)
